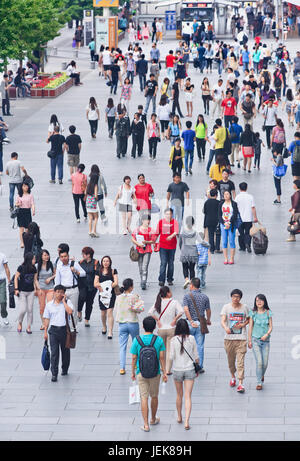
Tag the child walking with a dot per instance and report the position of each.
(257, 150)
(204, 259)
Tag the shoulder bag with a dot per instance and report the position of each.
(196, 365)
(162, 313)
(71, 335)
(203, 323)
(51, 154)
(133, 254)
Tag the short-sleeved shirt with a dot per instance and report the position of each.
(229, 105)
(142, 195)
(14, 171)
(224, 186)
(164, 230)
(170, 59)
(292, 148)
(73, 142)
(136, 348)
(234, 316)
(115, 69)
(57, 141)
(56, 313)
(105, 278)
(3, 260)
(245, 203)
(260, 323)
(201, 130)
(201, 301)
(188, 137)
(150, 87)
(26, 280)
(177, 193)
(220, 136)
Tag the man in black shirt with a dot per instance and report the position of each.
(211, 220)
(175, 193)
(137, 130)
(115, 76)
(150, 93)
(73, 147)
(57, 147)
(226, 185)
(175, 97)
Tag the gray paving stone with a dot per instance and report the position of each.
(247, 437)
(70, 428)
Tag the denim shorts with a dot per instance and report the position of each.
(181, 376)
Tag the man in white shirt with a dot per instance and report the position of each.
(55, 316)
(14, 171)
(246, 206)
(67, 274)
(106, 60)
(159, 31)
(4, 273)
(217, 95)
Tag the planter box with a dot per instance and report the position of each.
(51, 92)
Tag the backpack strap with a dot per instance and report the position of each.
(154, 337)
(139, 340)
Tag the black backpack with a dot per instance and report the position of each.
(148, 360)
(227, 143)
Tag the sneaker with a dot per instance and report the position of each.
(60, 181)
(201, 370)
(78, 220)
(248, 248)
(276, 202)
(186, 173)
(186, 284)
(85, 219)
(232, 382)
(54, 379)
(52, 181)
(239, 165)
(161, 284)
(291, 239)
(6, 140)
(241, 389)
(170, 283)
(203, 285)
(5, 321)
(122, 371)
(143, 285)
(190, 170)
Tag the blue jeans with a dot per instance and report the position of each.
(126, 329)
(166, 259)
(188, 153)
(1, 158)
(12, 188)
(245, 66)
(178, 214)
(170, 74)
(200, 339)
(220, 67)
(130, 75)
(201, 272)
(59, 162)
(210, 159)
(148, 100)
(228, 234)
(261, 354)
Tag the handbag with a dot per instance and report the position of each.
(279, 171)
(257, 227)
(136, 304)
(286, 153)
(133, 254)
(51, 154)
(196, 365)
(45, 360)
(71, 335)
(15, 212)
(203, 323)
(134, 394)
(74, 43)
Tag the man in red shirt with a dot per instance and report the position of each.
(167, 230)
(170, 61)
(143, 193)
(228, 108)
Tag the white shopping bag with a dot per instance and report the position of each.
(134, 394)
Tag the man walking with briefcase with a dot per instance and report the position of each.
(56, 316)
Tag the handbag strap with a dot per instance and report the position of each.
(67, 322)
(162, 313)
(195, 306)
(186, 350)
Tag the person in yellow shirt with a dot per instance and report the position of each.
(216, 170)
(220, 137)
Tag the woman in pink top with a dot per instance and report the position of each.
(126, 94)
(79, 182)
(145, 33)
(25, 203)
(278, 140)
(153, 133)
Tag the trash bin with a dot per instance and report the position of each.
(92, 65)
(63, 66)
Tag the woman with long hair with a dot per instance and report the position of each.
(79, 183)
(189, 95)
(215, 171)
(102, 191)
(278, 138)
(163, 114)
(26, 285)
(153, 134)
(247, 143)
(166, 311)
(106, 280)
(174, 129)
(91, 196)
(145, 33)
(209, 55)
(143, 237)
(201, 136)
(205, 95)
(183, 353)
(53, 123)
(260, 329)
(188, 247)
(45, 276)
(125, 197)
(71, 71)
(127, 318)
(87, 290)
(228, 216)
(126, 91)
(289, 106)
(165, 88)
(93, 115)
(25, 203)
(110, 116)
(32, 240)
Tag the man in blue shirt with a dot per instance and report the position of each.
(235, 136)
(294, 149)
(188, 136)
(201, 52)
(149, 386)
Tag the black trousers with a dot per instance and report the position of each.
(122, 142)
(5, 106)
(206, 99)
(76, 198)
(137, 144)
(200, 147)
(86, 296)
(76, 78)
(269, 129)
(228, 120)
(188, 270)
(152, 147)
(142, 78)
(176, 106)
(58, 337)
(111, 124)
(93, 126)
(114, 86)
(214, 238)
(177, 166)
(244, 237)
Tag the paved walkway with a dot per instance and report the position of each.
(92, 402)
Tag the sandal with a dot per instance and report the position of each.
(42, 328)
(19, 329)
(144, 429)
(29, 332)
(179, 421)
(187, 428)
(157, 421)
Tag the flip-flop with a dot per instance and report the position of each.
(157, 421)
(179, 421)
(187, 428)
(144, 429)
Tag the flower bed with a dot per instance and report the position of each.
(51, 86)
